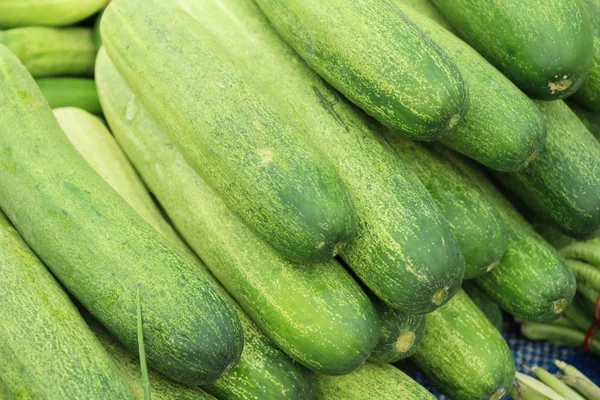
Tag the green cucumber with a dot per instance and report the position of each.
(16, 13)
(562, 184)
(263, 371)
(487, 306)
(71, 92)
(100, 249)
(502, 128)
(532, 281)
(429, 10)
(249, 151)
(463, 354)
(589, 93)
(46, 349)
(590, 119)
(316, 313)
(510, 35)
(475, 222)
(378, 59)
(404, 251)
(97, 33)
(371, 381)
(52, 51)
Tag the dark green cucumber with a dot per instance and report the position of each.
(562, 184)
(544, 46)
(487, 306)
(378, 59)
(71, 92)
(316, 313)
(238, 138)
(463, 354)
(16, 13)
(371, 381)
(502, 128)
(404, 251)
(475, 222)
(589, 93)
(52, 51)
(100, 248)
(264, 371)
(532, 281)
(429, 10)
(590, 119)
(46, 349)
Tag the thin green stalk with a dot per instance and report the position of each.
(584, 251)
(557, 385)
(578, 316)
(570, 370)
(558, 335)
(589, 294)
(142, 350)
(528, 388)
(564, 322)
(583, 386)
(584, 272)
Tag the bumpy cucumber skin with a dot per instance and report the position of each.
(378, 59)
(502, 129)
(487, 306)
(463, 354)
(17, 13)
(589, 93)
(47, 351)
(590, 119)
(264, 371)
(231, 130)
(544, 46)
(475, 222)
(317, 314)
(52, 51)
(100, 249)
(371, 381)
(71, 92)
(562, 184)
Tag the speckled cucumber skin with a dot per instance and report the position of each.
(475, 222)
(378, 59)
(463, 354)
(47, 351)
(99, 247)
(532, 281)
(71, 92)
(403, 251)
(487, 306)
(544, 46)
(231, 130)
(427, 9)
(371, 381)
(502, 128)
(264, 371)
(317, 314)
(16, 13)
(52, 51)
(563, 184)
(589, 93)
(590, 119)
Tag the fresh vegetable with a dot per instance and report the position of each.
(510, 35)
(528, 388)
(578, 316)
(588, 92)
(502, 128)
(15, 13)
(100, 248)
(463, 354)
(71, 92)
(378, 59)
(429, 10)
(142, 349)
(585, 273)
(317, 314)
(487, 306)
(554, 383)
(52, 51)
(248, 150)
(590, 119)
(584, 251)
(557, 334)
(576, 379)
(97, 33)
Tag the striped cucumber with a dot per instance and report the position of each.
(563, 184)
(238, 139)
(71, 92)
(263, 371)
(463, 354)
(404, 251)
(502, 128)
(487, 306)
(378, 59)
(16, 13)
(100, 249)
(590, 119)
(52, 51)
(510, 35)
(589, 93)
(317, 314)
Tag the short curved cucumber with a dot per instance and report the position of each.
(71, 92)
(16, 13)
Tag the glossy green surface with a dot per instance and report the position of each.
(16, 13)
(71, 92)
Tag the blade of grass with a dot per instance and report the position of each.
(142, 350)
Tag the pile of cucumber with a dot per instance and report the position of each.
(282, 199)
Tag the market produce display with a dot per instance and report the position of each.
(297, 199)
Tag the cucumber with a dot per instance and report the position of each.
(463, 354)
(429, 10)
(563, 184)
(263, 371)
(510, 35)
(590, 119)
(71, 92)
(532, 281)
(46, 349)
(502, 128)
(487, 306)
(100, 249)
(249, 151)
(378, 59)
(404, 251)
(588, 92)
(97, 33)
(371, 381)
(474, 221)
(16, 13)
(315, 313)
(52, 51)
